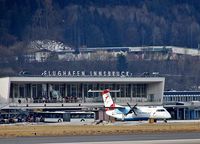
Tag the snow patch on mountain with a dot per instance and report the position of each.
(49, 45)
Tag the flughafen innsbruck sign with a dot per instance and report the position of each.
(64, 73)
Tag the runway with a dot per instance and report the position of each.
(184, 141)
(160, 138)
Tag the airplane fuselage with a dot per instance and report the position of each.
(142, 113)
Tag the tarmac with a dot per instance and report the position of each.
(159, 138)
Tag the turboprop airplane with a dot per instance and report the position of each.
(128, 113)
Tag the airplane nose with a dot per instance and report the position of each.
(169, 115)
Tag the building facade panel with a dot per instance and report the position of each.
(4, 90)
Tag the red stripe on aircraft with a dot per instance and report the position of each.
(106, 91)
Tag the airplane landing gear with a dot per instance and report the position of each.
(152, 120)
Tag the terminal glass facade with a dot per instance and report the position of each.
(183, 105)
(181, 96)
(75, 92)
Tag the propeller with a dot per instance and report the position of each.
(132, 109)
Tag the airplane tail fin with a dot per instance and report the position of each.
(107, 99)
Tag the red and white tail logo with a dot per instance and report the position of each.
(108, 102)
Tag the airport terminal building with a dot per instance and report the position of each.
(182, 105)
(71, 89)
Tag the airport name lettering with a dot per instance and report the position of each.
(83, 73)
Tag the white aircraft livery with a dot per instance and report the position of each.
(128, 113)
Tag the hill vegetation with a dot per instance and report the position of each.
(94, 23)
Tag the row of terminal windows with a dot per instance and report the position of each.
(182, 98)
(75, 92)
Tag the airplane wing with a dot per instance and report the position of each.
(116, 106)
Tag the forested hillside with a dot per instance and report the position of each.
(95, 23)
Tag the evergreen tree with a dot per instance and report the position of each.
(122, 64)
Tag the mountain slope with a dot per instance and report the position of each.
(101, 23)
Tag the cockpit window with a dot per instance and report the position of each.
(160, 110)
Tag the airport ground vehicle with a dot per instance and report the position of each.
(56, 116)
(63, 116)
(82, 116)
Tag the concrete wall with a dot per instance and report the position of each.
(135, 80)
(156, 90)
(4, 90)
